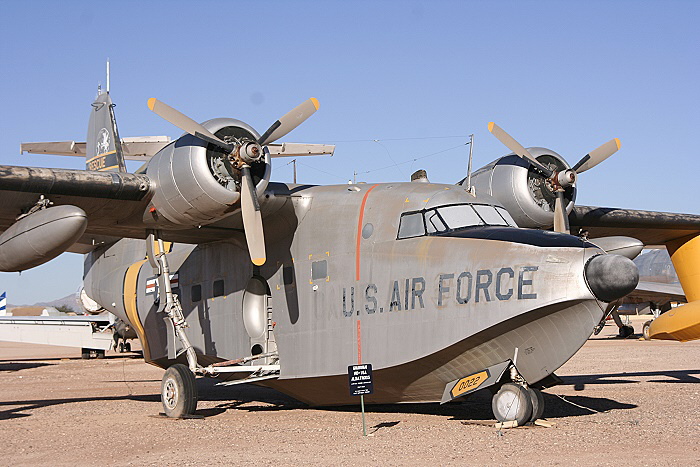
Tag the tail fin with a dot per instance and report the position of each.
(104, 149)
(3, 305)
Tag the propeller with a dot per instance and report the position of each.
(242, 154)
(558, 181)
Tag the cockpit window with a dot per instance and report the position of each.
(453, 217)
(411, 225)
(506, 217)
(489, 215)
(433, 222)
(461, 215)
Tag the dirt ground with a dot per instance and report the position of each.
(623, 402)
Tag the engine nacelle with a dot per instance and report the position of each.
(522, 190)
(195, 184)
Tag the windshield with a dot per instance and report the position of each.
(447, 218)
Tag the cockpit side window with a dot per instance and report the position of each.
(434, 222)
(411, 225)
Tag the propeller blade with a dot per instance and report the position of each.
(289, 121)
(252, 219)
(185, 123)
(597, 156)
(561, 219)
(517, 148)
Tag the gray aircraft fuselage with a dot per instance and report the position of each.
(339, 287)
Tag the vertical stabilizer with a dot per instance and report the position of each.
(103, 151)
(3, 305)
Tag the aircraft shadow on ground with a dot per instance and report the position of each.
(129, 356)
(24, 365)
(476, 407)
(579, 382)
(22, 406)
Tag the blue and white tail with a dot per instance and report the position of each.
(3, 304)
(104, 150)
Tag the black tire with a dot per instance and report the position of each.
(512, 402)
(178, 391)
(99, 354)
(626, 331)
(127, 347)
(645, 331)
(85, 354)
(537, 400)
(121, 347)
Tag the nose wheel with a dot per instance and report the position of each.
(514, 402)
(178, 391)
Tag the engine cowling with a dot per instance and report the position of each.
(522, 190)
(195, 184)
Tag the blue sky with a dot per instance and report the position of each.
(565, 75)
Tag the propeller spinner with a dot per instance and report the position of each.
(558, 181)
(242, 154)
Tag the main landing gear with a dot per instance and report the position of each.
(178, 391)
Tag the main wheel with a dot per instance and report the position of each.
(537, 400)
(127, 347)
(512, 402)
(178, 391)
(645, 331)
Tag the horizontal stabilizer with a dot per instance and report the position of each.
(142, 148)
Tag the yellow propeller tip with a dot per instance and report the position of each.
(617, 141)
(491, 124)
(259, 261)
(315, 102)
(151, 103)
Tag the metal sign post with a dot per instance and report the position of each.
(360, 382)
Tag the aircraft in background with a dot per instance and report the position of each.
(444, 289)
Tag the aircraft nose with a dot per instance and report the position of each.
(611, 276)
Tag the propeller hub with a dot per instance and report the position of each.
(566, 178)
(250, 152)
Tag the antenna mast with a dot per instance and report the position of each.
(470, 189)
(107, 76)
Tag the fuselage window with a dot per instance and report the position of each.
(196, 293)
(218, 288)
(411, 225)
(319, 270)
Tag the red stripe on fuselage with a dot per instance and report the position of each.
(359, 232)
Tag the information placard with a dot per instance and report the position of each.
(360, 379)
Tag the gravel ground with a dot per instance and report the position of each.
(623, 402)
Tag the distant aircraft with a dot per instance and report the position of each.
(445, 289)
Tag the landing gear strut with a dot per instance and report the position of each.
(178, 388)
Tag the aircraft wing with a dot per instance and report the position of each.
(656, 292)
(114, 203)
(650, 227)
